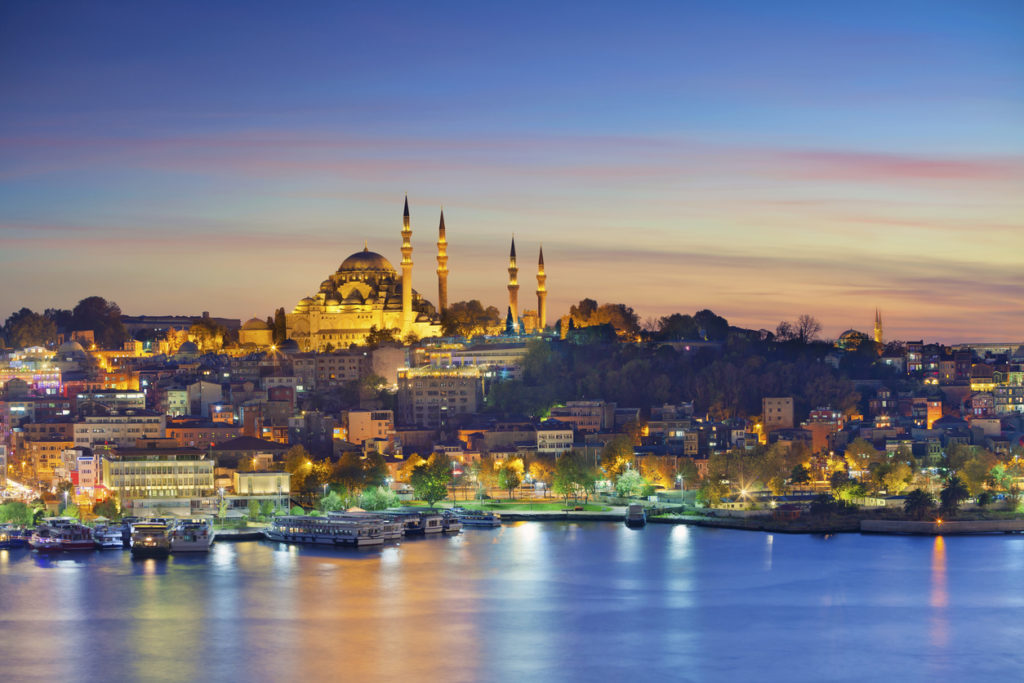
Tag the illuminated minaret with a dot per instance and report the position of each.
(442, 267)
(878, 327)
(513, 288)
(406, 271)
(542, 293)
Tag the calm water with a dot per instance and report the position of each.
(530, 601)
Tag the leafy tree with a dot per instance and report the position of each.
(860, 455)
(378, 498)
(658, 470)
(800, 474)
(688, 471)
(573, 477)
(350, 472)
(297, 511)
(106, 508)
(254, 510)
(542, 469)
(510, 475)
(631, 483)
(332, 502)
(103, 318)
(1013, 497)
(897, 477)
(266, 508)
(298, 463)
(985, 499)
(222, 508)
(616, 455)
(27, 328)
(17, 513)
(470, 319)
(712, 490)
(375, 470)
(379, 337)
(430, 480)
(777, 485)
(975, 474)
(404, 473)
(952, 495)
(918, 504)
(676, 327)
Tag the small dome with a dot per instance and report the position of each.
(365, 260)
(288, 346)
(70, 347)
(255, 324)
(187, 349)
(331, 301)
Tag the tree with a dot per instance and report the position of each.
(103, 318)
(616, 455)
(378, 337)
(430, 480)
(106, 508)
(332, 502)
(712, 490)
(350, 472)
(985, 499)
(280, 326)
(918, 504)
(510, 475)
(27, 328)
(406, 469)
(378, 498)
(897, 477)
(298, 463)
(298, 511)
(952, 495)
(222, 509)
(807, 328)
(17, 513)
(800, 475)
(254, 510)
(860, 455)
(573, 477)
(542, 469)
(630, 484)
(266, 508)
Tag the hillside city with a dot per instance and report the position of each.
(109, 414)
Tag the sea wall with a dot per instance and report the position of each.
(943, 528)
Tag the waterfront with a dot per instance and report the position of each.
(542, 600)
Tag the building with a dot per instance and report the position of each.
(274, 485)
(554, 437)
(114, 400)
(365, 292)
(429, 397)
(362, 425)
(586, 416)
(256, 332)
(166, 476)
(777, 413)
(122, 427)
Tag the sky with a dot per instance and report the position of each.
(763, 160)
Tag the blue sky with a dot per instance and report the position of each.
(760, 159)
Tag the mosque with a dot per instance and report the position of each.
(367, 292)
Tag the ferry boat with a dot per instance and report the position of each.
(108, 537)
(451, 524)
(150, 539)
(635, 516)
(390, 529)
(194, 535)
(476, 517)
(61, 534)
(11, 537)
(417, 521)
(325, 531)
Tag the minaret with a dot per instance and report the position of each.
(406, 271)
(513, 287)
(878, 327)
(442, 267)
(542, 293)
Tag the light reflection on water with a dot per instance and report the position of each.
(543, 601)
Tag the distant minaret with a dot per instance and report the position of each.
(513, 287)
(542, 293)
(442, 267)
(406, 271)
(878, 327)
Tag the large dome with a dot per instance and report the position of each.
(365, 260)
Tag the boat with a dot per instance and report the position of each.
(326, 531)
(62, 534)
(191, 536)
(13, 537)
(635, 516)
(150, 539)
(390, 529)
(451, 524)
(478, 518)
(108, 537)
(417, 521)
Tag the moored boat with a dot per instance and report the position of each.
(191, 536)
(417, 521)
(62, 534)
(635, 516)
(13, 537)
(326, 531)
(477, 518)
(108, 537)
(150, 539)
(390, 529)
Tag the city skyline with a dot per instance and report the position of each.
(762, 162)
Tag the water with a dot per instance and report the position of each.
(529, 601)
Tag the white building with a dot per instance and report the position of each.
(120, 427)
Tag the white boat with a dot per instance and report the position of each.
(61, 534)
(191, 536)
(325, 531)
(417, 521)
(476, 517)
(108, 538)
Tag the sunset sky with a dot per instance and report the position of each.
(761, 159)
